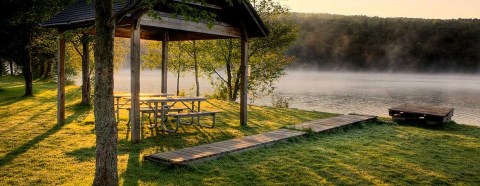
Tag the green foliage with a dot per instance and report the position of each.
(266, 55)
(387, 44)
(281, 102)
(220, 59)
(21, 32)
(220, 92)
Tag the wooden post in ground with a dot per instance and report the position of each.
(61, 81)
(244, 81)
(135, 81)
(164, 63)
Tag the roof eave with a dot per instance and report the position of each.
(70, 23)
(256, 18)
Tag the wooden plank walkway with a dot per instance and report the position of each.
(332, 123)
(193, 154)
(214, 150)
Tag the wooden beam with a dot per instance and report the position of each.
(164, 62)
(199, 4)
(224, 30)
(61, 81)
(244, 81)
(135, 82)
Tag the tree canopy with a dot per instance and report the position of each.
(361, 43)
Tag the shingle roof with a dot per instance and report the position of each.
(79, 12)
(82, 14)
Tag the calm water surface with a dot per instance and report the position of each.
(364, 93)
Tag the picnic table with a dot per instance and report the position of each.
(192, 105)
(121, 96)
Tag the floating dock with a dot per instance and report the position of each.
(429, 115)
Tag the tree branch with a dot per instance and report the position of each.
(76, 48)
(218, 74)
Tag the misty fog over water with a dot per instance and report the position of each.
(374, 93)
(344, 92)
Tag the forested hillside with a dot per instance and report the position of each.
(363, 43)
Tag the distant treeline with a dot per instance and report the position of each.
(363, 43)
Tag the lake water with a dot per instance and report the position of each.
(341, 92)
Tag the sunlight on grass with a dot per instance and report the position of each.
(35, 151)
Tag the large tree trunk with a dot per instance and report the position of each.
(27, 69)
(85, 70)
(105, 125)
(197, 83)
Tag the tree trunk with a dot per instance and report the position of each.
(48, 71)
(105, 124)
(27, 69)
(197, 83)
(237, 85)
(11, 67)
(178, 82)
(229, 71)
(42, 70)
(85, 70)
(1, 68)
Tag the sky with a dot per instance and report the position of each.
(431, 9)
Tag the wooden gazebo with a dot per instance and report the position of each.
(238, 20)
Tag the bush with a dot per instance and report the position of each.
(220, 93)
(281, 102)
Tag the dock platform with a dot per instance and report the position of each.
(429, 115)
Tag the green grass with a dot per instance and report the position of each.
(34, 150)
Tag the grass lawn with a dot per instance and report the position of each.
(34, 150)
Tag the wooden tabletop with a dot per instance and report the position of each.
(127, 95)
(435, 111)
(171, 99)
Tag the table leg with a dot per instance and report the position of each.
(118, 110)
(193, 110)
(155, 118)
(198, 119)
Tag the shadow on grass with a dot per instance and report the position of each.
(14, 93)
(11, 99)
(78, 112)
(83, 154)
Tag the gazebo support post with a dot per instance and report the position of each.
(244, 81)
(135, 81)
(164, 63)
(61, 81)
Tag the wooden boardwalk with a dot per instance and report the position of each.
(214, 150)
(332, 123)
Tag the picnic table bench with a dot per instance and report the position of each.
(179, 115)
